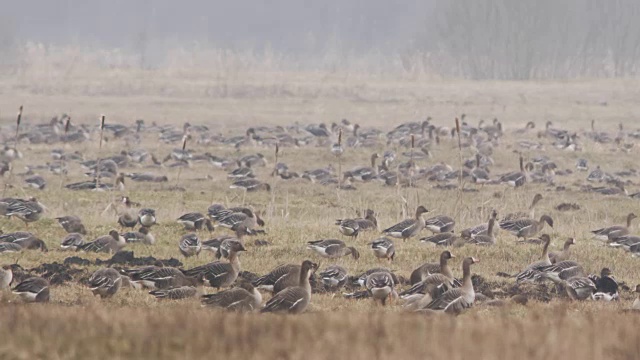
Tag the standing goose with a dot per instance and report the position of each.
(353, 227)
(105, 282)
(190, 245)
(427, 269)
(531, 271)
(33, 289)
(72, 241)
(195, 221)
(220, 274)
(381, 287)
(440, 224)
(522, 214)
(242, 298)
(479, 175)
(488, 238)
(26, 210)
(268, 281)
(613, 232)
(293, 300)
(6, 277)
(332, 248)
(431, 287)
(383, 248)
(409, 227)
(111, 243)
(564, 254)
(72, 224)
(456, 300)
(516, 178)
(290, 279)
(523, 228)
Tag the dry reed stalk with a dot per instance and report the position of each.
(63, 162)
(97, 174)
(15, 148)
(339, 163)
(460, 164)
(184, 146)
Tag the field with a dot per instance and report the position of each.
(133, 324)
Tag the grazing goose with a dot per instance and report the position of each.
(26, 210)
(523, 228)
(522, 214)
(442, 239)
(111, 243)
(560, 271)
(424, 270)
(613, 232)
(440, 224)
(606, 286)
(105, 282)
(564, 254)
(579, 288)
(488, 238)
(26, 240)
(530, 272)
(409, 227)
(332, 248)
(292, 278)
(72, 224)
(432, 286)
(190, 245)
(33, 289)
(353, 227)
(517, 178)
(220, 274)
(381, 287)
(268, 281)
(364, 173)
(143, 236)
(72, 241)
(10, 248)
(176, 293)
(456, 300)
(239, 217)
(334, 277)
(6, 277)
(636, 302)
(195, 221)
(242, 298)
(250, 185)
(627, 242)
(147, 217)
(293, 300)
(383, 248)
(153, 277)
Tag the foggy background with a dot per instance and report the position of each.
(475, 39)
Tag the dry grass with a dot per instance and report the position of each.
(134, 325)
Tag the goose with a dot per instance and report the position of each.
(516, 178)
(334, 277)
(383, 248)
(250, 185)
(33, 289)
(440, 224)
(636, 302)
(147, 217)
(564, 254)
(530, 272)
(220, 274)
(597, 175)
(6, 277)
(10, 247)
(72, 241)
(293, 300)
(523, 228)
(176, 293)
(560, 271)
(72, 224)
(195, 221)
(364, 173)
(289, 279)
(479, 175)
(26, 210)
(582, 165)
(105, 282)
(606, 286)
(424, 270)
(613, 232)
(268, 281)
(237, 217)
(127, 220)
(332, 248)
(521, 214)
(242, 298)
(153, 277)
(409, 227)
(143, 236)
(442, 239)
(111, 243)
(488, 238)
(353, 227)
(190, 245)
(579, 287)
(26, 240)
(381, 287)
(456, 300)
(433, 285)
(627, 242)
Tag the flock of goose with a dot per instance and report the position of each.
(432, 287)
